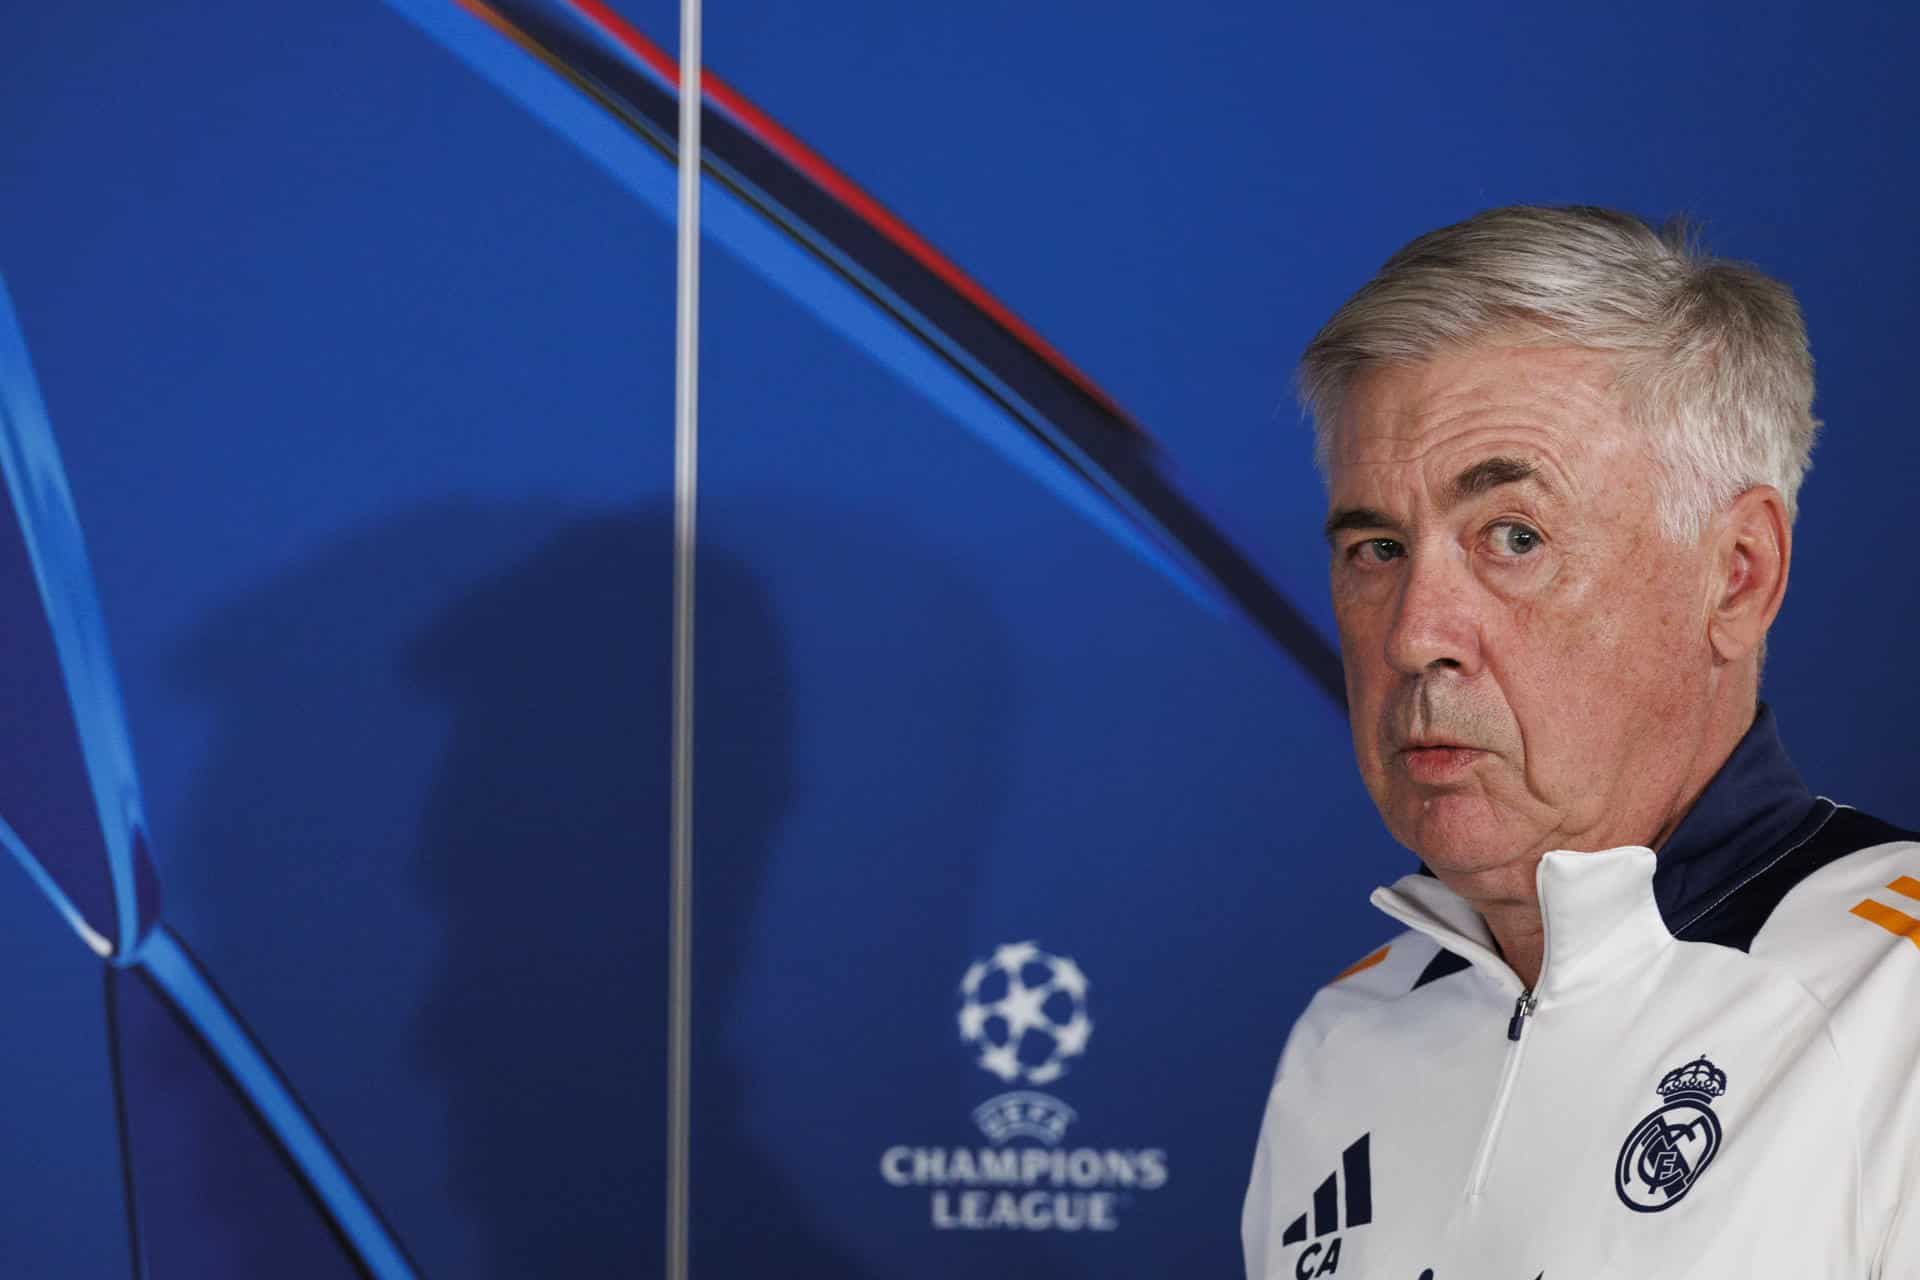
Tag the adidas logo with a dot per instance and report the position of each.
(1318, 1258)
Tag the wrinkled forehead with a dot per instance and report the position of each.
(1560, 408)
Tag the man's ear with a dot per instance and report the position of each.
(1752, 549)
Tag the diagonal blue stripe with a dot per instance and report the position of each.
(51, 530)
(180, 977)
(798, 269)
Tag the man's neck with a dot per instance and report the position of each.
(1521, 936)
(1516, 922)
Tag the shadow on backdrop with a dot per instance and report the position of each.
(542, 852)
(296, 874)
(429, 851)
(544, 844)
(823, 976)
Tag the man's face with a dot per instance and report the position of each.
(1526, 654)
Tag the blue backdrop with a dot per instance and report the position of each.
(362, 377)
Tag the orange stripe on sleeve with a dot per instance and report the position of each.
(1362, 965)
(1907, 885)
(1895, 922)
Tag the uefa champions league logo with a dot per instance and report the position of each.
(1025, 1012)
(1023, 1016)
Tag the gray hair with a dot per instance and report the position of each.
(1713, 354)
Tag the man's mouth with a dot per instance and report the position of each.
(1438, 762)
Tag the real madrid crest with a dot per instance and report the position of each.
(1668, 1151)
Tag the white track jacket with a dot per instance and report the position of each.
(1716, 1077)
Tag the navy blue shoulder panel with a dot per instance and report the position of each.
(1443, 963)
(1828, 834)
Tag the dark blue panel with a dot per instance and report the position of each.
(45, 796)
(213, 1197)
(62, 1211)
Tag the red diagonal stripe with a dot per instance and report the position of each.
(842, 188)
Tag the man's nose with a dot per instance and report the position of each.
(1436, 621)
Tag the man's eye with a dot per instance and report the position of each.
(1511, 539)
(1378, 550)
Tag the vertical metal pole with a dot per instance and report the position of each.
(686, 451)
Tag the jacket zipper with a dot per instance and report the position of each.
(1516, 1048)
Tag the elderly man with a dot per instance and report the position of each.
(1657, 1010)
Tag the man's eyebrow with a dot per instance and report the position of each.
(1356, 518)
(1486, 474)
(1491, 473)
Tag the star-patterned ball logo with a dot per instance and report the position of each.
(1025, 1011)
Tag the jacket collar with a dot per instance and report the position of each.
(1753, 804)
(1599, 907)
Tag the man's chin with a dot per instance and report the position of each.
(1459, 835)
